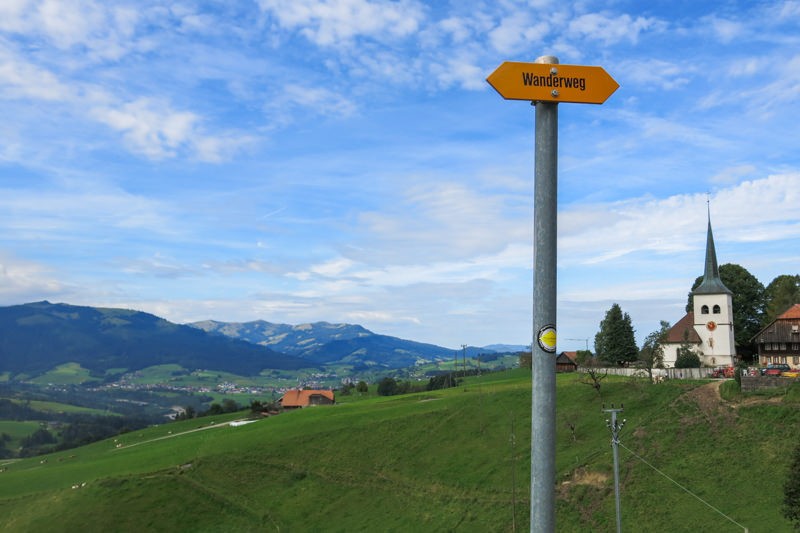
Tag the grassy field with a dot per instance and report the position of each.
(66, 374)
(452, 460)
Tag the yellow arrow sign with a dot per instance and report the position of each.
(543, 82)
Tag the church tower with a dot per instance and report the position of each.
(713, 312)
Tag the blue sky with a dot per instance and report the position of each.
(346, 161)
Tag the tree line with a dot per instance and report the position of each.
(754, 306)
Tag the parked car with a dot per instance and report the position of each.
(790, 373)
(775, 369)
(725, 372)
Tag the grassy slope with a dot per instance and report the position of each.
(440, 461)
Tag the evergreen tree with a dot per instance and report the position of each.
(615, 343)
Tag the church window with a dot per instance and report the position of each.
(704, 309)
(716, 309)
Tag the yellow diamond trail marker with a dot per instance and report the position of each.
(543, 82)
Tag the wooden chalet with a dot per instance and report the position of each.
(565, 362)
(779, 341)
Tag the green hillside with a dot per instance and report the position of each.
(452, 460)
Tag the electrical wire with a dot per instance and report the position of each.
(682, 487)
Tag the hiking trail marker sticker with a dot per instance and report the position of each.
(547, 338)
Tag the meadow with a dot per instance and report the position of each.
(446, 460)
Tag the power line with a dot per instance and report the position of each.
(684, 488)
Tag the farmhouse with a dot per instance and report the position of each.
(708, 328)
(296, 398)
(565, 362)
(779, 342)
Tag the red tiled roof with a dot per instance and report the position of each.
(675, 333)
(301, 398)
(573, 356)
(792, 312)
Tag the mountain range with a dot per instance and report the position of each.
(36, 337)
(326, 343)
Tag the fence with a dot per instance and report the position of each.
(667, 373)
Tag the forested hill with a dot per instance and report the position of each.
(36, 337)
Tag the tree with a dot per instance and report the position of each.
(362, 387)
(615, 343)
(687, 357)
(652, 353)
(387, 387)
(748, 301)
(583, 357)
(229, 406)
(791, 490)
(782, 293)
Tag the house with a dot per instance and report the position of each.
(296, 398)
(565, 362)
(708, 328)
(779, 342)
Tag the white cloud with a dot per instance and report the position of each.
(611, 231)
(655, 74)
(516, 31)
(612, 29)
(150, 127)
(323, 100)
(336, 22)
(22, 280)
(155, 130)
(726, 30)
(19, 80)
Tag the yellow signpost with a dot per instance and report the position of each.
(542, 82)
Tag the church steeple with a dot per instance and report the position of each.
(711, 284)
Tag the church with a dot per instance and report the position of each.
(708, 327)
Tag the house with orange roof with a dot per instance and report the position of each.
(779, 341)
(297, 398)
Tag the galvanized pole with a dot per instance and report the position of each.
(543, 367)
(615, 427)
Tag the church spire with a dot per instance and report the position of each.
(711, 284)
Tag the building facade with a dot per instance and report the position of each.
(779, 342)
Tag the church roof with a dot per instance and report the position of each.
(711, 284)
(675, 335)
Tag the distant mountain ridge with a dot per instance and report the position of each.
(295, 340)
(325, 343)
(37, 337)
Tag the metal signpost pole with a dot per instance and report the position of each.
(545, 83)
(543, 367)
